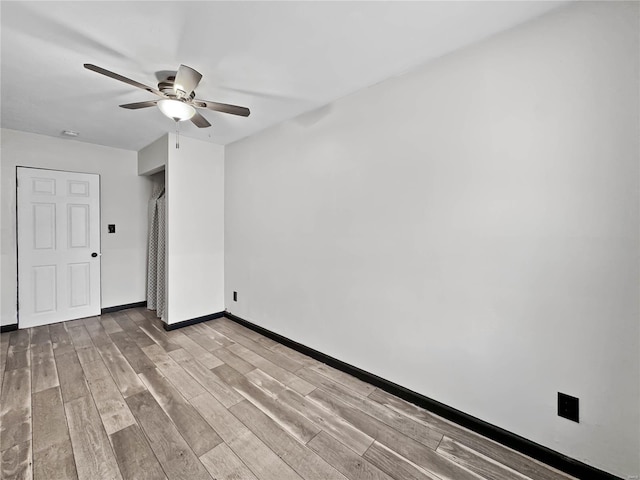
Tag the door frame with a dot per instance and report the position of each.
(18, 238)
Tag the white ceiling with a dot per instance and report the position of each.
(280, 59)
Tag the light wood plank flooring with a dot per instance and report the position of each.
(117, 396)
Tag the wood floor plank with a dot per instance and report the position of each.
(476, 462)
(262, 461)
(289, 419)
(230, 330)
(328, 421)
(419, 414)
(60, 339)
(223, 464)
(347, 462)
(206, 329)
(129, 326)
(304, 461)
(75, 323)
(52, 451)
(15, 408)
(218, 417)
(113, 410)
(79, 336)
(266, 382)
(291, 380)
(149, 313)
(324, 419)
(134, 455)
(95, 370)
(182, 381)
(198, 433)
(16, 462)
(415, 430)
(55, 462)
(172, 451)
(49, 421)
(423, 456)
(266, 342)
(20, 339)
(39, 335)
(109, 324)
(244, 331)
(4, 349)
(132, 352)
(295, 355)
(71, 378)
(88, 355)
(395, 465)
(96, 331)
(205, 341)
(43, 367)
(181, 355)
(91, 448)
(17, 358)
(234, 361)
(157, 335)
(137, 319)
(4, 341)
(522, 464)
(135, 314)
(345, 379)
(194, 349)
(210, 381)
(274, 357)
(18, 355)
(125, 377)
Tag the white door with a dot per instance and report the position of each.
(58, 246)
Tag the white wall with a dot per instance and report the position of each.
(195, 229)
(469, 230)
(124, 200)
(153, 157)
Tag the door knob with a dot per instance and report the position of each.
(94, 254)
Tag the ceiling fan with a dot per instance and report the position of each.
(177, 94)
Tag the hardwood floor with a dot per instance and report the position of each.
(117, 396)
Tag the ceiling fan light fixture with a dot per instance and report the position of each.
(176, 110)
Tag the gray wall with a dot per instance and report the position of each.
(469, 230)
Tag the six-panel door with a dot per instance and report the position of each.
(58, 231)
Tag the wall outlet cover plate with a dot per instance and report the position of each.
(569, 407)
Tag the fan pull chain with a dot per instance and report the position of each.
(177, 134)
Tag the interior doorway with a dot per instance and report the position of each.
(58, 246)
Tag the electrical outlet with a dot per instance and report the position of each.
(569, 407)
(235, 296)
(112, 228)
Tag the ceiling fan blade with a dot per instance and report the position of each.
(116, 76)
(221, 107)
(135, 106)
(187, 79)
(199, 121)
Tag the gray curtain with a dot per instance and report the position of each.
(156, 259)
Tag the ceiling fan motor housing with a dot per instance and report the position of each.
(166, 87)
